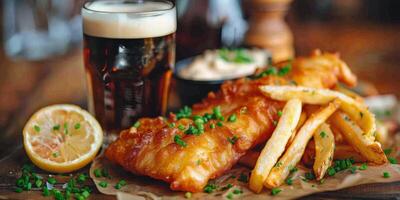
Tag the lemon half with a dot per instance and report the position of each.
(62, 138)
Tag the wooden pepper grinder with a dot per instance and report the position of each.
(268, 29)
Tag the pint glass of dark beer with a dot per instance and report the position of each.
(129, 49)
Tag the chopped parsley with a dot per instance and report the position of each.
(37, 128)
(103, 184)
(65, 128)
(210, 188)
(184, 112)
(364, 166)
(181, 127)
(120, 184)
(235, 55)
(275, 191)
(232, 118)
(178, 140)
(392, 160)
(56, 127)
(289, 181)
(228, 186)
(77, 126)
(387, 151)
(243, 178)
(309, 176)
(233, 139)
(386, 175)
(136, 124)
(212, 126)
(322, 134)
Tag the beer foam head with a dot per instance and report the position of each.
(129, 19)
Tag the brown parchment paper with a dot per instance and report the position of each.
(141, 187)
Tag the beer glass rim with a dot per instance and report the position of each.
(158, 11)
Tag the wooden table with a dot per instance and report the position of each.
(371, 50)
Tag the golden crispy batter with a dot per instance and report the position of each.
(150, 149)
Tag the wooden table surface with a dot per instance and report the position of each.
(371, 50)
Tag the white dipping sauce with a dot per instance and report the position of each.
(211, 66)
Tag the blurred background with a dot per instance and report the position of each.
(41, 59)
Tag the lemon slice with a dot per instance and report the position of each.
(62, 138)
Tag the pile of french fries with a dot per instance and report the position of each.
(316, 126)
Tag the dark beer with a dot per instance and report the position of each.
(128, 56)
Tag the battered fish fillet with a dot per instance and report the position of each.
(153, 150)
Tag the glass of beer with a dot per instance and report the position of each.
(129, 51)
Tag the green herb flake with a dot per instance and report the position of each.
(82, 178)
(309, 176)
(56, 127)
(279, 113)
(210, 188)
(364, 166)
(275, 122)
(136, 124)
(232, 118)
(120, 184)
(293, 170)
(275, 191)
(278, 164)
(229, 196)
(220, 124)
(184, 112)
(37, 128)
(45, 191)
(228, 186)
(353, 169)
(237, 191)
(331, 171)
(322, 134)
(18, 190)
(52, 180)
(65, 128)
(103, 184)
(178, 140)
(289, 181)
(243, 178)
(38, 183)
(392, 160)
(181, 127)
(55, 154)
(77, 126)
(233, 139)
(97, 173)
(386, 175)
(387, 151)
(171, 125)
(212, 126)
(285, 70)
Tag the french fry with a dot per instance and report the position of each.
(353, 134)
(324, 149)
(275, 146)
(349, 93)
(342, 151)
(356, 110)
(382, 134)
(295, 151)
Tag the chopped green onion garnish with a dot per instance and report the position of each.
(210, 188)
(322, 134)
(275, 191)
(363, 166)
(56, 127)
(212, 126)
(77, 126)
(137, 124)
(387, 151)
(97, 173)
(233, 139)
(219, 124)
(178, 140)
(386, 175)
(37, 128)
(392, 160)
(279, 113)
(52, 180)
(103, 184)
(232, 118)
(289, 181)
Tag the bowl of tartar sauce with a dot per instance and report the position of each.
(195, 77)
